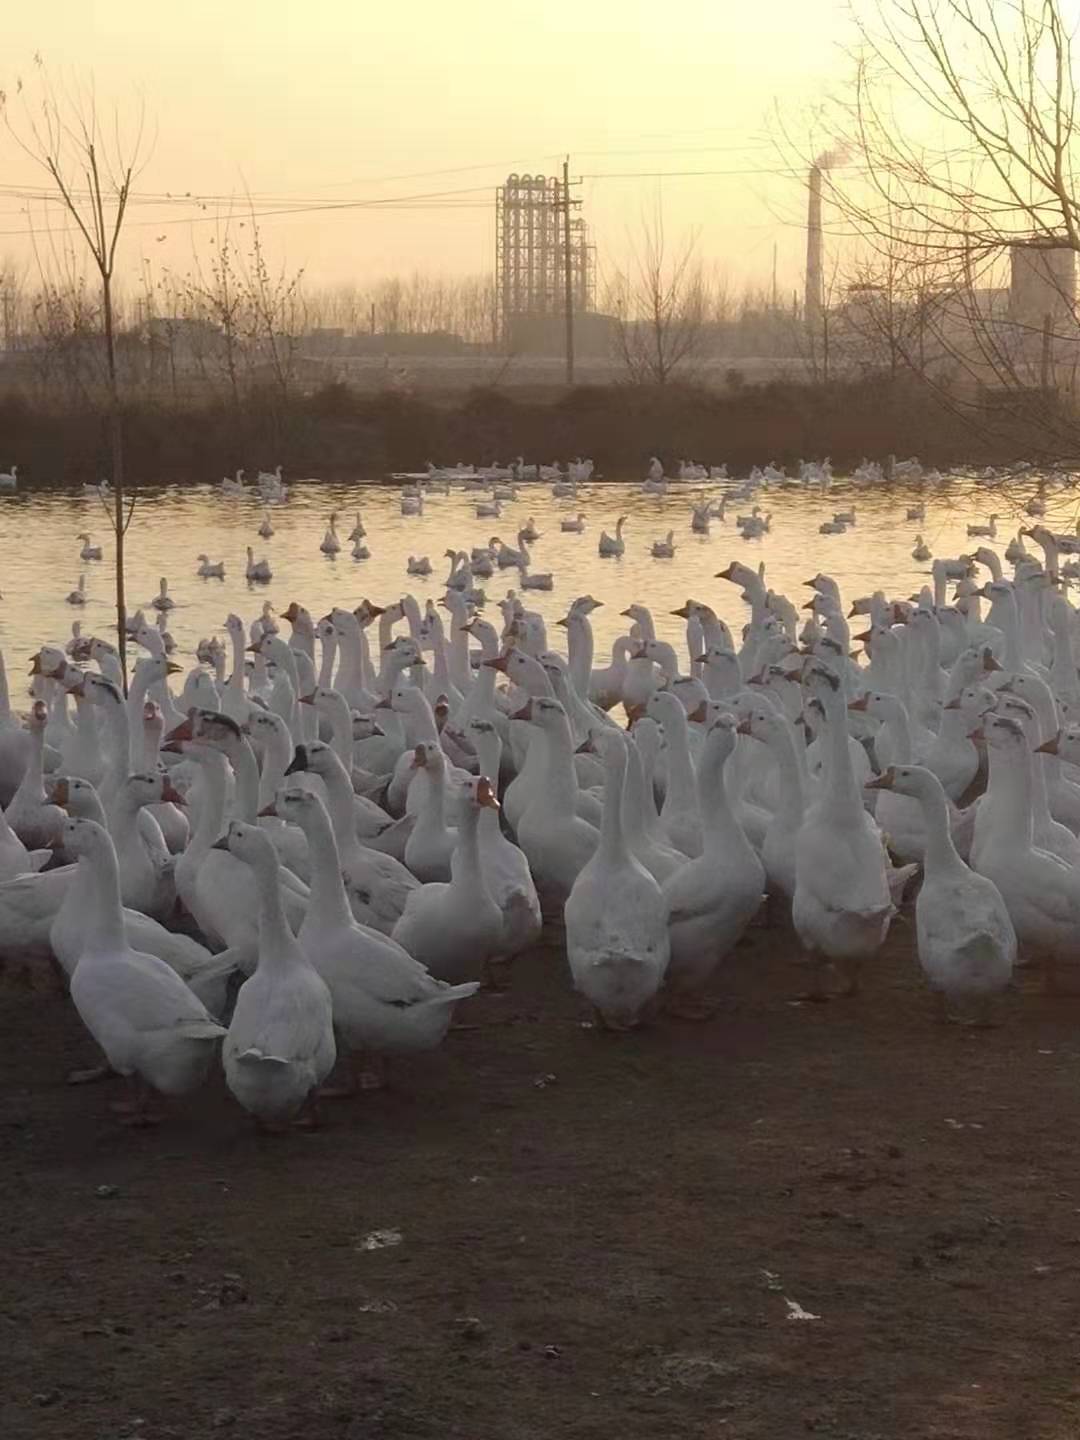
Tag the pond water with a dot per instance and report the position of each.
(173, 524)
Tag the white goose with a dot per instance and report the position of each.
(556, 840)
(573, 525)
(712, 899)
(78, 595)
(330, 543)
(430, 847)
(210, 569)
(967, 944)
(841, 908)
(1039, 890)
(34, 819)
(456, 929)
(257, 570)
(378, 885)
(152, 1028)
(617, 941)
(613, 545)
(384, 1001)
(664, 549)
(280, 1046)
(162, 600)
(505, 867)
(89, 551)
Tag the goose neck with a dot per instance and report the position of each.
(276, 943)
(339, 803)
(1009, 791)
(242, 759)
(103, 916)
(328, 906)
(559, 785)
(613, 846)
(940, 854)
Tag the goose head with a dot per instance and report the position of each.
(913, 780)
(80, 836)
(251, 844)
(146, 789)
(295, 804)
(100, 691)
(1002, 733)
(206, 727)
(75, 795)
(316, 758)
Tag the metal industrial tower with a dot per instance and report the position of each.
(531, 236)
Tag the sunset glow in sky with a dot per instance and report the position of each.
(334, 101)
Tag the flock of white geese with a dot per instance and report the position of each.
(305, 851)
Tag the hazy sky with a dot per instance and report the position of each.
(334, 100)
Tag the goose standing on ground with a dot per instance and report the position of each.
(967, 944)
(280, 1046)
(35, 820)
(456, 929)
(841, 909)
(617, 941)
(613, 545)
(385, 1002)
(506, 869)
(378, 884)
(1039, 890)
(152, 1028)
(556, 840)
(711, 899)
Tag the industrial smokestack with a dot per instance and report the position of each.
(815, 280)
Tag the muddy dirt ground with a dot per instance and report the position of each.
(599, 1236)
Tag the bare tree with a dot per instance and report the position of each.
(661, 307)
(92, 171)
(961, 126)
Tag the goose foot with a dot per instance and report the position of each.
(137, 1108)
(91, 1074)
(609, 1024)
(309, 1117)
(373, 1075)
(691, 1007)
(849, 977)
(496, 976)
(981, 1013)
(142, 1119)
(818, 992)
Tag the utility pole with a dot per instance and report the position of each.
(774, 276)
(568, 267)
